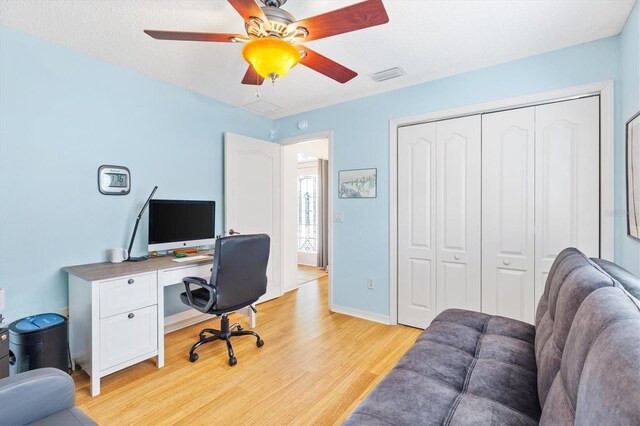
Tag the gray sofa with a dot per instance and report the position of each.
(580, 364)
(46, 396)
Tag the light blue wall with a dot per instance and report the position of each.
(361, 140)
(62, 115)
(627, 248)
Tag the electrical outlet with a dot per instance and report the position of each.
(370, 284)
(64, 312)
(338, 217)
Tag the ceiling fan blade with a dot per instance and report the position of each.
(188, 36)
(351, 18)
(326, 66)
(252, 77)
(249, 8)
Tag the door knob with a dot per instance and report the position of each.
(232, 232)
(456, 257)
(506, 262)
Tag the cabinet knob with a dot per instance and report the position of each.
(131, 315)
(456, 257)
(131, 281)
(506, 262)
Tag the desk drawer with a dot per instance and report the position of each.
(128, 335)
(175, 276)
(127, 294)
(4, 342)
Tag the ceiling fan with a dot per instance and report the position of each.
(273, 40)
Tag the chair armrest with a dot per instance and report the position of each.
(35, 394)
(202, 283)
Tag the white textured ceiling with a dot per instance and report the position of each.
(427, 39)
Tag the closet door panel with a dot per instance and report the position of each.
(508, 214)
(458, 225)
(567, 181)
(416, 225)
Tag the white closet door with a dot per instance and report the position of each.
(458, 213)
(508, 214)
(416, 225)
(567, 181)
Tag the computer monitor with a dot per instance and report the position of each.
(177, 224)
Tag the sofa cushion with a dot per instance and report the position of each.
(630, 282)
(69, 417)
(467, 367)
(571, 279)
(599, 380)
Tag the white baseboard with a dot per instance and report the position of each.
(184, 319)
(358, 313)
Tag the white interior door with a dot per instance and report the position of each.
(417, 225)
(567, 181)
(458, 216)
(508, 231)
(252, 197)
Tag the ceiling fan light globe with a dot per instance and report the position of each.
(271, 56)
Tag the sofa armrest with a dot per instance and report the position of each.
(32, 395)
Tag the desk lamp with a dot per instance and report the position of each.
(135, 228)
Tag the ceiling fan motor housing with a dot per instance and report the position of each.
(273, 3)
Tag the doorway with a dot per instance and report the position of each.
(306, 196)
(311, 194)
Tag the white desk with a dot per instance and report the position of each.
(116, 312)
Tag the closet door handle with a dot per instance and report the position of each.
(456, 257)
(506, 262)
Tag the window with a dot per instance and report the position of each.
(307, 214)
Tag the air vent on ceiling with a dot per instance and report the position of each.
(262, 106)
(387, 74)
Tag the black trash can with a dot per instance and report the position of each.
(39, 341)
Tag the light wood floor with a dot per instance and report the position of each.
(309, 273)
(314, 368)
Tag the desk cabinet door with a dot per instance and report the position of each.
(129, 335)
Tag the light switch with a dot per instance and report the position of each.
(338, 217)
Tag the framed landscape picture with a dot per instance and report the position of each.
(360, 183)
(633, 176)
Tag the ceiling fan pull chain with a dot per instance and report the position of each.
(257, 85)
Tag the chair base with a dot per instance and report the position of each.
(225, 333)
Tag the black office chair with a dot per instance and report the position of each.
(238, 279)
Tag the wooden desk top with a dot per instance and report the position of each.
(106, 270)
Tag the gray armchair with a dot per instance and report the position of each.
(46, 396)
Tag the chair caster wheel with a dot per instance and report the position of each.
(193, 357)
(233, 361)
(259, 343)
